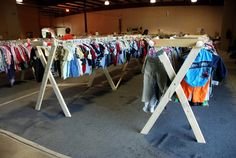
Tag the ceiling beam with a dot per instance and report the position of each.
(64, 8)
(95, 2)
(82, 3)
(74, 4)
(54, 2)
(77, 6)
(67, 6)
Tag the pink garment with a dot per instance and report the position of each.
(7, 55)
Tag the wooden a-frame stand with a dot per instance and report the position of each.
(175, 85)
(48, 75)
(109, 78)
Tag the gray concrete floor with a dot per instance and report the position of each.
(106, 123)
(13, 146)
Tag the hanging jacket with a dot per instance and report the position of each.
(200, 70)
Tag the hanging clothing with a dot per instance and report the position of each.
(196, 94)
(37, 65)
(13, 57)
(200, 71)
(197, 83)
(154, 73)
(219, 68)
(95, 54)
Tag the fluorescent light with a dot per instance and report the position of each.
(19, 1)
(193, 1)
(107, 2)
(153, 1)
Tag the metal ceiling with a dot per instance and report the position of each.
(58, 7)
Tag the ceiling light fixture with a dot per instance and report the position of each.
(67, 10)
(153, 1)
(106, 2)
(193, 1)
(19, 1)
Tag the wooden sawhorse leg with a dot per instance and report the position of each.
(48, 75)
(176, 87)
(91, 79)
(109, 78)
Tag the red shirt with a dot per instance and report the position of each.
(67, 37)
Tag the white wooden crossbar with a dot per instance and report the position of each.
(175, 42)
(176, 87)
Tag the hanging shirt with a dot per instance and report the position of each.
(219, 68)
(200, 70)
(65, 63)
(74, 67)
(3, 64)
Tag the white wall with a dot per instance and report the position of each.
(177, 19)
(229, 22)
(29, 20)
(9, 28)
(75, 22)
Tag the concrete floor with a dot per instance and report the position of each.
(106, 123)
(13, 146)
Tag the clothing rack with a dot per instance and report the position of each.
(48, 76)
(196, 44)
(19, 41)
(174, 86)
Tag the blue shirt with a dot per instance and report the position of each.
(201, 69)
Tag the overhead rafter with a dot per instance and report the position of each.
(77, 6)
(74, 4)
(82, 3)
